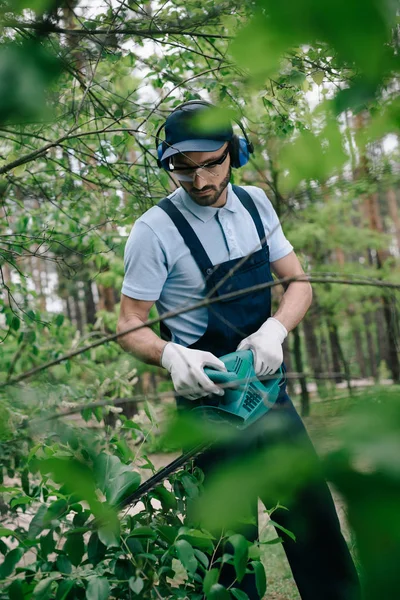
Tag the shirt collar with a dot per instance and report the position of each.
(206, 213)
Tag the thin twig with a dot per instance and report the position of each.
(203, 303)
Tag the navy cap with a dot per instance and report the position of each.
(184, 134)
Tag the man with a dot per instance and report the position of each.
(211, 238)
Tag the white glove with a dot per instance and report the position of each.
(266, 345)
(187, 370)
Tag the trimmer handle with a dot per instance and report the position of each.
(220, 376)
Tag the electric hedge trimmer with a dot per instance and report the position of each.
(245, 401)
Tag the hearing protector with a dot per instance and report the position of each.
(240, 148)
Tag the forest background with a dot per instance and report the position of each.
(84, 88)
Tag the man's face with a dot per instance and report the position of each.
(208, 183)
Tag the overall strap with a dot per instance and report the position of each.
(249, 205)
(190, 238)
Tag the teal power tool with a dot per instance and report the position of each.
(246, 398)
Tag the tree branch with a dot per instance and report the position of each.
(204, 303)
(150, 33)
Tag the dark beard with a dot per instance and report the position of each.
(215, 193)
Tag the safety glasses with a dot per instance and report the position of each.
(189, 173)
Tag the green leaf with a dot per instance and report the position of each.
(5, 532)
(47, 544)
(108, 537)
(86, 414)
(145, 532)
(186, 556)
(98, 589)
(210, 579)
(239, 594)
(198, 539)
(167, 533)
(287, 531)
(254, 552)
(202, 558)
(64, 588)
(98, 413)
(42, 590)
(277, 540)
(241, 553)
(261, 581)
(63, 564)
(123, 569)
(167, 498)
(74, 547)
(10, 561)
(15, 323)
(218, 592)
(59, 320)
(96, 549)
(55, 510)
(318, 77)
(148, 409)
(15, 591)
(116, 480)
(136, 584)
(190, 485)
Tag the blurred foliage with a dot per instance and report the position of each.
(83, 91)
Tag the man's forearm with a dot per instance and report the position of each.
(143, 343)
(294, 304)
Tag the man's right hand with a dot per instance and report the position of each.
(187, 370)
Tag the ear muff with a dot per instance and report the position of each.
(240, 150)
(162, 164)
(240, 147)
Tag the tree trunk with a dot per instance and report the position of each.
(313, 352)
(77, 310)
(392, 325)
(358, 342)
(335, 351)
(341, 357)
(287, 359)
(323, 344)
(375, 222)
(298, 359)
(394, 214)
(68, 305)
(106, 298)
(372, 350)
(380, 334)
(90, 307)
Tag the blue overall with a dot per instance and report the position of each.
(319, 558)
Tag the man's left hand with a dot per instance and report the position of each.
(266, 345)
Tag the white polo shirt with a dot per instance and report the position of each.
(159, 266)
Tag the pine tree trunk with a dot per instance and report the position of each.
(358, 342)
(394, 214)
(372, 349)
(77, 310)
(298, 359)
(335, 351)
(313, 351)
(373, 215)
(68, 305)
(106, 298)
(392, 325)
(323, 344)
(381, 335)
(90, 307)
(287, 359)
